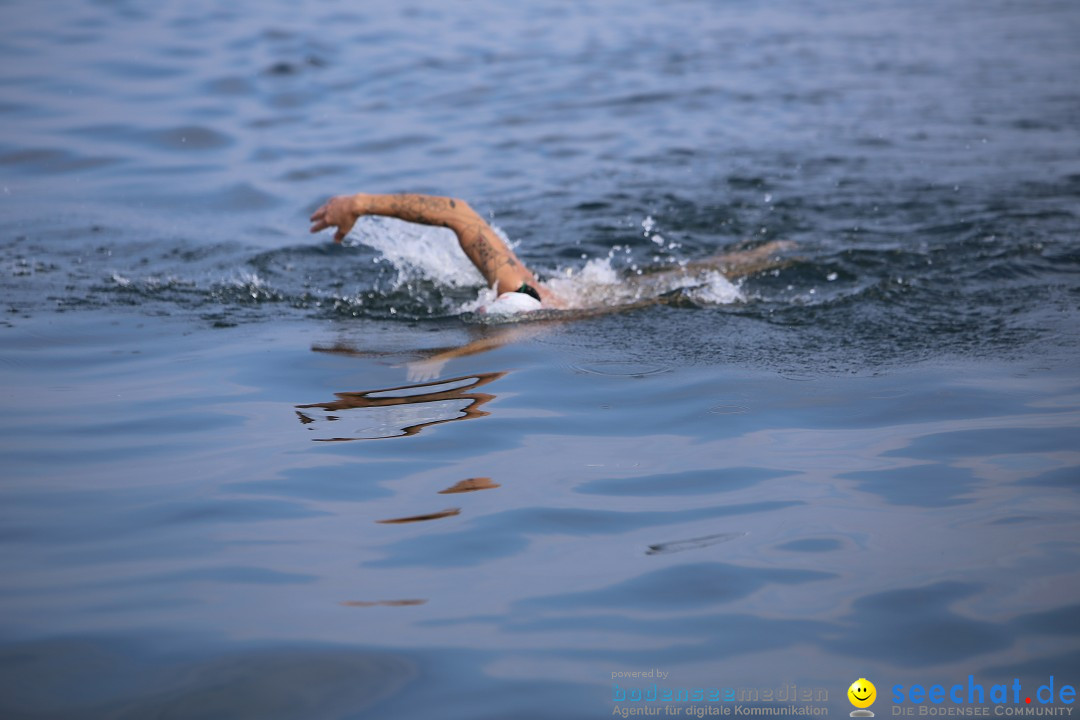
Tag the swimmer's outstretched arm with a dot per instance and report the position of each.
(491, 256)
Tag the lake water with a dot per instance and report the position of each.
(250, 474)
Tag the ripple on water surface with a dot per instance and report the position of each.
(861, 450)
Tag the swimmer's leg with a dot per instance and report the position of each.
(740, 263)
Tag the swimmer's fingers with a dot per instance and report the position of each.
(318, 219)
(322, 212)
(344, 223)
(342, 229)
(342, 232)
(332, 214)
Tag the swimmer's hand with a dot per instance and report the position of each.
(427, 369)
(339, 212)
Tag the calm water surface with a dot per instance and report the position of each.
(247, 473)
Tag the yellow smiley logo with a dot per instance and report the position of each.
(862, 693)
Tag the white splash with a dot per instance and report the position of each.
(716, 289)
(594, 285)
(417, 251)
(246, 279)
(598, 285)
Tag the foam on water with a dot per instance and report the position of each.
(417, 251)
(598, 284)
(717, 290)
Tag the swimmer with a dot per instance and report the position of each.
(517, 288)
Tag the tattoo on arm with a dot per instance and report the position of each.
(422, 209)
(490, 259)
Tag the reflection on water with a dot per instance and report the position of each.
(692, 544)
(471, 485)
(430, 364)
(407, 410)
(931, 530)
(127, 679)
(448, 512)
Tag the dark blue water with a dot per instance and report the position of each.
(248, 473)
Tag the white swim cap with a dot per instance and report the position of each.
(512, 302)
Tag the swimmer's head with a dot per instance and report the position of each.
(511, 302)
